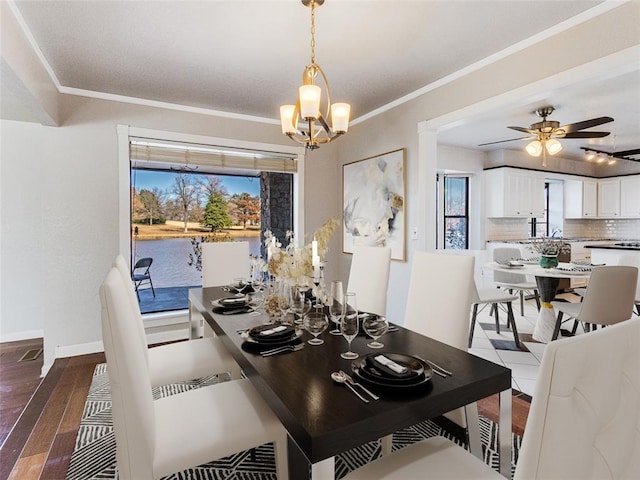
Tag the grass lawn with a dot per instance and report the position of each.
(173, 229)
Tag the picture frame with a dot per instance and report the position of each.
(374, 203)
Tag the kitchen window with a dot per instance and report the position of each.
(456, 213)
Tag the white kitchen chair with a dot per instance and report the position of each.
(633, 261)
(369, 278)
(494, 297)
(608, 299)
(514, 281)
(222, 262)
(179, 361)
(157, 438)
(441, 290)
(583, 421)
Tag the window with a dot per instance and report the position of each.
(539, 226)
(181, 192)
(456, 212)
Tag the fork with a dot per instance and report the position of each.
(286, 348)
(364, 389)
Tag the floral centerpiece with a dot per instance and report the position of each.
(291, 267)
(549, 249)
(294, 264)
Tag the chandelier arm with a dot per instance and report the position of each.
(326, 84)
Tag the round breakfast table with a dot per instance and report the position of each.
(547, 280)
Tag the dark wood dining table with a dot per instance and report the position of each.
(324, 418)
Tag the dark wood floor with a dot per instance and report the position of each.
(41, 443)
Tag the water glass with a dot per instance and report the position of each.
(350, 325)
(336, 305)
(375, 326)
(316, 322)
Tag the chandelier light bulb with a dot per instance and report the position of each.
(340, 117)
(601, 159)
(288, 121)
(590, 155)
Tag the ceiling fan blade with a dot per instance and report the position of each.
(594, 122)
(635, 151)
(504, 141)
(525, 130)
(586, 135)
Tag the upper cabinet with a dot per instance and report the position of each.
(514, 193)
(609, 198)
(580, 198)
(630, 196)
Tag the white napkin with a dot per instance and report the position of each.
(271, 331)
(390, 364)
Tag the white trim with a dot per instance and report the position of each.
(80, 92)
(65, 351)
(616, 64)
(19, 336)
(163, 319)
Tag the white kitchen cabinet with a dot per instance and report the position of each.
(630, 196)
(514, 193)
(580, 198)
(609, 198)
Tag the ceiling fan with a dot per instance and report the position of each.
(545, 134)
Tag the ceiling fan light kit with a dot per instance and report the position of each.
(307, 106)
(545, 134)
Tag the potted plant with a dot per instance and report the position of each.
(549, 248)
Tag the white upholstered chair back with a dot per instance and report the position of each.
(369, 278)
(440, 297)
(132, 400)
(121, 264)
(632, 261)
(440, 294)
(610, 295)
(222, 262)
(584, 420)
(503, 255)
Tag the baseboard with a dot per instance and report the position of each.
(18, 336)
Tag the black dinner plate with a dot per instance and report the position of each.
(276, 338)
(419, 372)
(233, 301)
(252, 345)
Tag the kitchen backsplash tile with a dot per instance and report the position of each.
(506, 228)
(615, 229)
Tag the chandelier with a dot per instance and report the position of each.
(307, 107)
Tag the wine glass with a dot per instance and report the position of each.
(375, 326)
(316, 322)
(349, 324)
(300, 304)
(284, 300)
(336, 305)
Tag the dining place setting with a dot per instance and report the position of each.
(303, 312)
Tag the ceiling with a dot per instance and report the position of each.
(247, 57)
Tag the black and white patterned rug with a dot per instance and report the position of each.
(94, 455)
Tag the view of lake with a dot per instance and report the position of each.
(170, 257)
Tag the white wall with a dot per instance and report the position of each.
(521, 76)
(59, 197)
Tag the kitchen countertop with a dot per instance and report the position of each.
(613, 246)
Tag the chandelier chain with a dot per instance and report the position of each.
(313, 32)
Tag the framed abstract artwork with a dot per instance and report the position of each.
(373, 203)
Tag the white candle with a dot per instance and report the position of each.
(314, 250)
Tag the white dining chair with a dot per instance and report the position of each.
(222, 262)
(583, 421)
(178, 361)
(513, 281)
(441, 289)
(156, 438)
(633, 261)
(494, 297)
(369, 278)
(609, 298)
